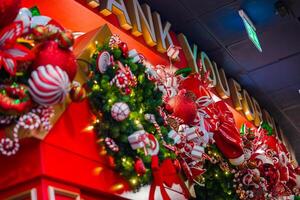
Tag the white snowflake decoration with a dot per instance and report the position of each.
(120, 111)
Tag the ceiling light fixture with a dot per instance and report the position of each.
(251, 30)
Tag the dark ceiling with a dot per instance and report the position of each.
(273, 76)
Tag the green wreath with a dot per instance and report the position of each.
(142, 98)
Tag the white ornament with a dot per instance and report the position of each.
(103, 61)
(120, 111)
(49, 85)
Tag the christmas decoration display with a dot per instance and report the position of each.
(36, 67)
(129, 126)
(153, 121)
(210, 150)
(264, 174)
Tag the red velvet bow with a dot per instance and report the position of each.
(227, 136)
(165, 174)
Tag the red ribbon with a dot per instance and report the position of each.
(227, 137)
(165, 174)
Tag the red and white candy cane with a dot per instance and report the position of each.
(39, 117)
(114, 41)
(124, 77)
(151, 119)
(9, 147)
(111, 144)
(45, 113)
(120, 80)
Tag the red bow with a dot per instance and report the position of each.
(227, 136)
(10, 51)
(165, 174)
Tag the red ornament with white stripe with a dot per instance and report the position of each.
(49, 85)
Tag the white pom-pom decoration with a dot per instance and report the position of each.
(120, 111)
(49, 85)
(103, 61)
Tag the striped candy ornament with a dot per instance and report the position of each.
(49, 85)
(111, 144)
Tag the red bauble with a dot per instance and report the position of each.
(127, 91)
(124, 48)
(182, 107)
(50, 53)
(139, 167)
(193, 84)
(8, 11)
(77, 93)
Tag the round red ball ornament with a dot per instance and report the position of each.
(8, 11)
(182, 107)
(50, 53)
(124, 48)
(77, 93)
(193, 83)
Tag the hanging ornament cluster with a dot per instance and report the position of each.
(267, 172)
(36, 66)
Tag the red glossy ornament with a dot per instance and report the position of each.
(139, 167)
(124, 48)
(182, 107)
(193, 83)
(50, 53)
(77, 93)
(127, 91)
(8, 11)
